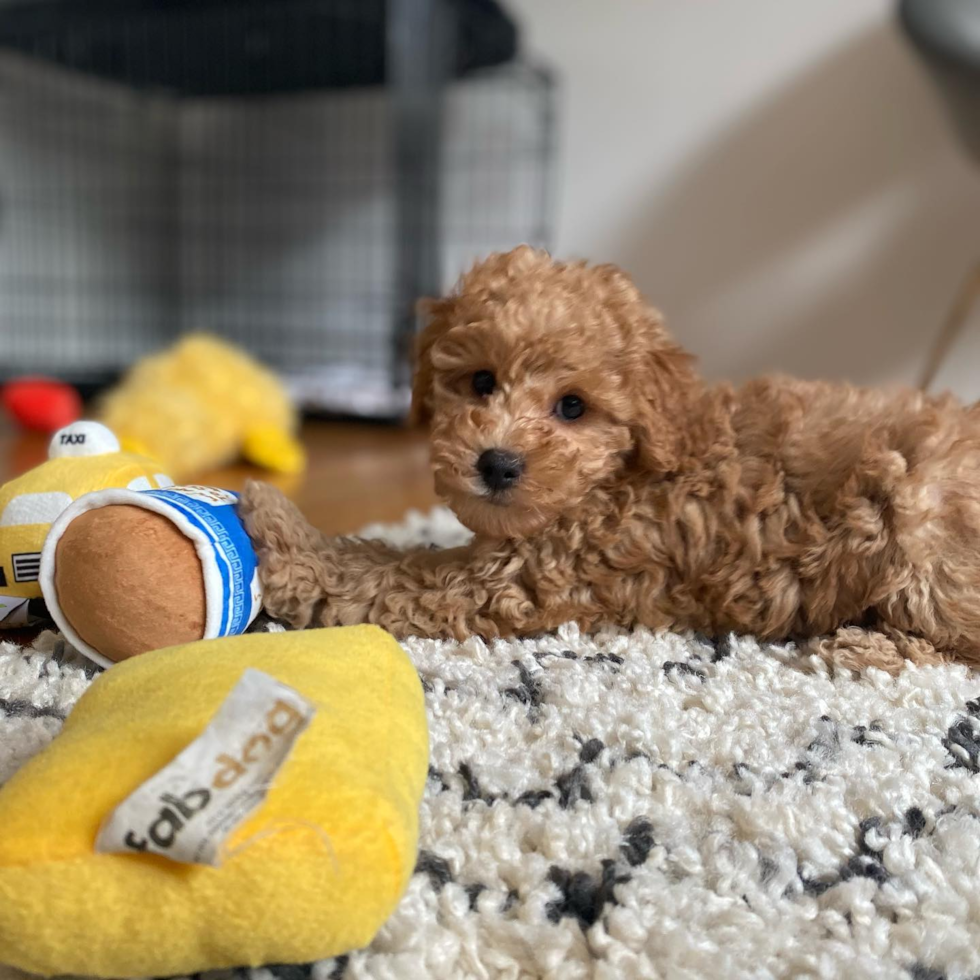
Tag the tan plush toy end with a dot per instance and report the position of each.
(124, 572)
(129, 581)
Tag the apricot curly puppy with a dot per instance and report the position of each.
(606, 483)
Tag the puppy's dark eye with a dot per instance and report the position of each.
(570, 407)
(483, 383)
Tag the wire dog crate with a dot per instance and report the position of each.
(289, 174)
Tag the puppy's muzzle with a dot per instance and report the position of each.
(499, 469)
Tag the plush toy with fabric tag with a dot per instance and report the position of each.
(82, 457)
(160, 759)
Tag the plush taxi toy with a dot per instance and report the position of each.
(82, 457)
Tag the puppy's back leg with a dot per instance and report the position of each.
(937, 593)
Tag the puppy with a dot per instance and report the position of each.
(606, 483)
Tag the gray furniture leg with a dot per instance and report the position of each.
(956, 318)
(418, 52)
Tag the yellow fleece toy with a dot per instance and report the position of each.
(312, 873)
(201, 404)
(82, 457)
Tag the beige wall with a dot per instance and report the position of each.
(780, 177)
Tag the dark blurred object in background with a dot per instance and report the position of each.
(289, 174)
(241, 47)
(947, 34)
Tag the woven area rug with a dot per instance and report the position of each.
(637, 805)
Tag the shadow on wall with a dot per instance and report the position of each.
(824, 233)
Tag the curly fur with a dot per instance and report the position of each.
(785, 508)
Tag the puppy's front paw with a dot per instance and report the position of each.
(886, 648)
(289, 552)
(274, 523)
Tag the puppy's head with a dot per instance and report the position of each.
(542, 380)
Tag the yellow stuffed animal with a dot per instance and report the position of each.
(82, 457)
(312, 872)
(200, 405)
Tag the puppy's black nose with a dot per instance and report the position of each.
(499, 469)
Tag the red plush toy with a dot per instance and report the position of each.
(45, 404)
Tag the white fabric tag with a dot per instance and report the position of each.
(187, 810)
(13, 611)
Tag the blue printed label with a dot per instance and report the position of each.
(212, 511)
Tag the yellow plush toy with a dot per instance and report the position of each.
(200, 405)
(82, 457)
(313, 872)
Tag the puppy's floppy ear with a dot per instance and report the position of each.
(664, 386)
(661, 383)
(436, 313)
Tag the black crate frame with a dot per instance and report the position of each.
(422, 61)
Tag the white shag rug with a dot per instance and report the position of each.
(633, 805)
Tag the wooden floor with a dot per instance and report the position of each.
(356, 474)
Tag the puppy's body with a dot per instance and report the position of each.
(786, 508)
